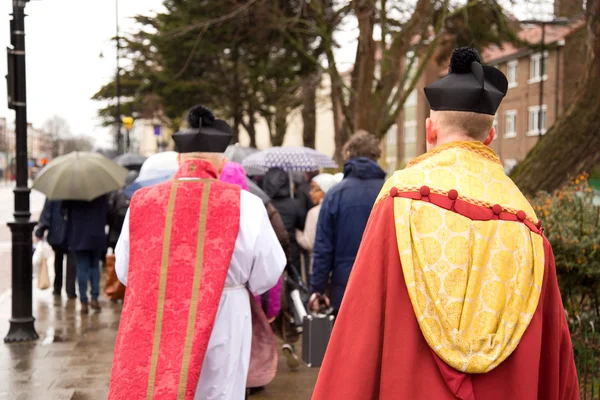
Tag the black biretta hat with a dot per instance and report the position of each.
(205, 134)
(469, 86)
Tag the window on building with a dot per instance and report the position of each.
(391, 148)
(537, 120)
(511, 73)
(509, 164)
(511, 124)
(538, 70)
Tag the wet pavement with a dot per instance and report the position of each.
(72, 359)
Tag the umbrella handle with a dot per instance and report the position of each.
(291, 184)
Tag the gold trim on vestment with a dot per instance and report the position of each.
(162, 288)
(189, 337)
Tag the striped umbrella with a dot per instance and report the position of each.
(287, 158)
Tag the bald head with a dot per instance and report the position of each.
(450, 126)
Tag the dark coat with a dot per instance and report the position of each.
(88, 221)
(54, 220)
(276, 185)
(118, 204)
(342, 221)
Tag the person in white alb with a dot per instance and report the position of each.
(191, 252)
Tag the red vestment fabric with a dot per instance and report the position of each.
(377, 350)
(138, 327)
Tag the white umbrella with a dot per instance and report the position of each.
(80, 176)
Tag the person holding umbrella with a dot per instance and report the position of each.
(87, 241)
(83, 180)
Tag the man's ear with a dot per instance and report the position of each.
(490, 136)
(223, 162)
(431, 131)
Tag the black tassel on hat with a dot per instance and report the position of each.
(206, 134)
(469, 86)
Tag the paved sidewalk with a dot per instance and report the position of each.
(72, 359)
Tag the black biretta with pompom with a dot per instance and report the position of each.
(469, 86)
(206, 134)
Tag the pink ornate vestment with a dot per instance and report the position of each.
(183, 234)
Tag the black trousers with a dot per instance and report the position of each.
(58, 272)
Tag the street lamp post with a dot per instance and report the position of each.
(118, 141)
(543, 24)
(22, 321)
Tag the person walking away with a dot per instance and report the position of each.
(118, 204)
(54, 220)
(319, 186)
(454, 292)
(276, 185)
(87, 241)
(271, 300)
(190, 251)
(342, 220)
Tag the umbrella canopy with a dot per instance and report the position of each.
(238, 153)
(130, 161)
(108, 153)
(80, 176)
(158, 168)
(287, 158)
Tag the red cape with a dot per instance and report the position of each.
(377, 350)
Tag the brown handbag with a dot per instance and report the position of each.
(114, 289)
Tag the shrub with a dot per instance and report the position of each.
(571, 223)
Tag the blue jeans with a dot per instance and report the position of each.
(88, 269)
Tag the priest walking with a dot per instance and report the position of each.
(454, 293)
(190, 251)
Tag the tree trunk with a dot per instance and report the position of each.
(252, 129)
(309, 109)
(572, 145)
(236, 99)
(365, 63)
(280, 126)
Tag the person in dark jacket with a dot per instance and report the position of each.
(343, 218)
(118, 204)
(87, 240)
(54, 220)
(276, 185)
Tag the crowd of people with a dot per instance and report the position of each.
(440, 280)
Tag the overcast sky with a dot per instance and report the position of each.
(64, 40)
(63, 43)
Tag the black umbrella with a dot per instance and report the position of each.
(238, 153)
(130, 161)
(108, 153)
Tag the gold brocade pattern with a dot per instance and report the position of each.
(471, 168)
(474, 285)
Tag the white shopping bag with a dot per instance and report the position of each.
(42, 257)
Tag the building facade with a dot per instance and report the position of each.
(521, 119)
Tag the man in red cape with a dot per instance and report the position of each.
(190, 251)
(454, 292)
